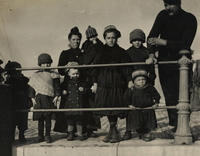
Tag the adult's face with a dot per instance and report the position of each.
(75, 41)
(171, 9)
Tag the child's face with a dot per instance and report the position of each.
(111, 39)
(140, 81)
(74, 73)
(45, 65)
(137, 43)
(92, 38)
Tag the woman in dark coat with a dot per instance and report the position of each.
(73, 55)
(111, 82)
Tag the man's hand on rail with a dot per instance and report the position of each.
(94, 88)
(151, 59)
(132, 107)
(157, 41)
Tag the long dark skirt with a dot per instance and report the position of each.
(108, 98)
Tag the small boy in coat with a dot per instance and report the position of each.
(20, 98)
(75, 92)
(142, 95)
(44, 92)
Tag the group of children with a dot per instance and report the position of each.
(43, 90)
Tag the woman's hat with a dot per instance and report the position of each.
(74, 31)
(137, 73)
(91, 32)
(137, 34)
(44, 58)
(110, 28)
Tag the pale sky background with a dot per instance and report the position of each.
(31, 27)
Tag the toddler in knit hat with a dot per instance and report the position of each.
(91, 46)
(44, 92)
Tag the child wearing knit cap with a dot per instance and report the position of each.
(75, 95)
(44, 92)
(91, 46)
(142, 95)
(139, 53)
(20, 98)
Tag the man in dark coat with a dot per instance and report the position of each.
(173, 30)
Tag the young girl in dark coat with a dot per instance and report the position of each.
(111, 82)
(142, 95)
(76, 96)
(20, 98)
(44, 92)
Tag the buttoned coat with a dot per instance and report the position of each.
(75, 98)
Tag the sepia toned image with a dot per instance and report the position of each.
(99, 77)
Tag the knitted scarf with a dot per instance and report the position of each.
(42, 82)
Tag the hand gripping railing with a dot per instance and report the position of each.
(183, 134)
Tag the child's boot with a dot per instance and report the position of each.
(70, 136)
(40, 135)
(127, 135)
(22, 137)
(107, 137)
(147, 137)
(47, 136)
(80, 133)
(115, 135)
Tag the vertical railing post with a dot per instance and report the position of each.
(183, 134)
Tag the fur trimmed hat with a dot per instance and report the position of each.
(137, 34)
(91, 32)
(70, 64)
(12, 65)
(44, 58)
(137, 73)
(171, 2)
(111, 28)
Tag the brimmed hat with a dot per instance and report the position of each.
(111, 28)
(171, 2)
(44, 58)
(70, 64)
(137, 73)
(91, 32)
(137, 34)
(12, 65)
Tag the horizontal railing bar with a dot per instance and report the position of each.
(95, 65)
(91, 109)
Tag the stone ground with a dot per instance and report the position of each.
(163, 131)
